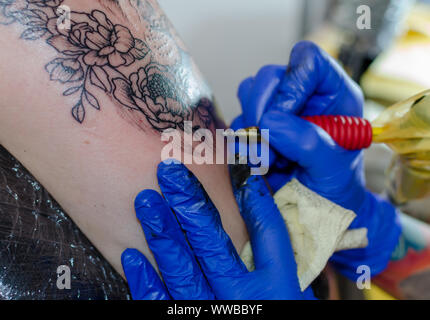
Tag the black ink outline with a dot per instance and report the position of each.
(93, 50)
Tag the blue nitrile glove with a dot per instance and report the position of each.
(314, 84)
(209, 266)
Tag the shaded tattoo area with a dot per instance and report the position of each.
(151, 78)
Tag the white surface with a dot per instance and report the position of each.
(231, 39)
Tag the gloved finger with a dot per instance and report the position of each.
(261, 93)
(201, 222)
(270, 240)
(244, 90)
(175, 259)
(142, 279)
(277, 178)
(315, 84)
(238, 123)
(300, 141)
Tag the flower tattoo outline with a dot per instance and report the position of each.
(95, 53)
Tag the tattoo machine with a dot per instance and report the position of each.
(404, 128)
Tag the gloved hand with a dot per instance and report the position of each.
(219, 273)
(314, 84)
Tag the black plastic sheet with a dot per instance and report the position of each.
(37, 236)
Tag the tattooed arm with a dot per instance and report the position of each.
(83, 104)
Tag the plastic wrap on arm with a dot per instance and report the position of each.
(37, 236)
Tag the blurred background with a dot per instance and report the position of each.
(231, 40)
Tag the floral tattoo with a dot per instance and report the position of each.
(95, 54)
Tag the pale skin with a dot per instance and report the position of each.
(95, 165)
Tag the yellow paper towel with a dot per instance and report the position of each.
(317, 228)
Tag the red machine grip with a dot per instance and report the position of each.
(351, 133)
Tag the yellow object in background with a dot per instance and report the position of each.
(405, 128)
(402, 70)
(399, 72)
(376, 293)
